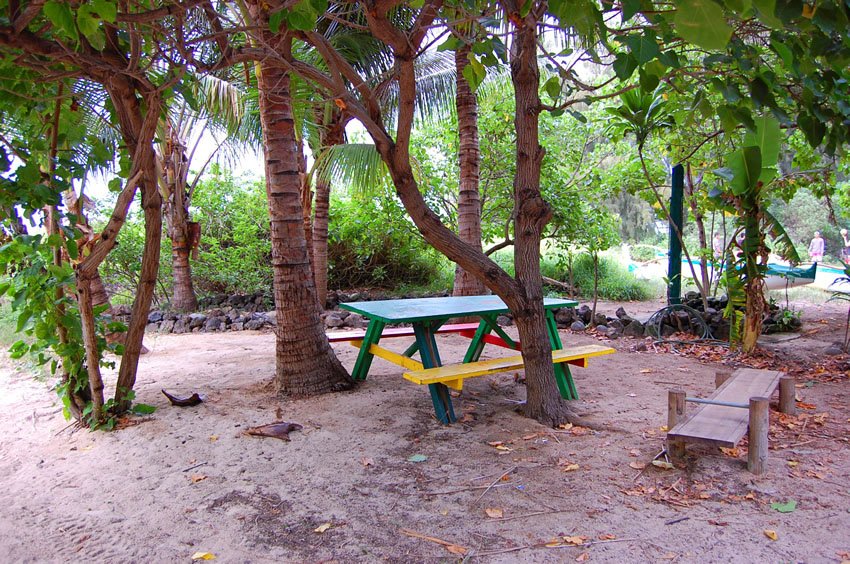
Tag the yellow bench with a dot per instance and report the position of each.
(453, 375)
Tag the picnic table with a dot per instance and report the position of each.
(428, 317)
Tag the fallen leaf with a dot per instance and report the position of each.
(647, 371)
(733, 452)
(637, 465)
(574, 540)
(495, 443)
(579, 431)
(662, 464)
(213, 438)
(417, 458)
(197, 478)
(804, 405)
(565, 426)
(494, 513)
(750, 495)
(771, 534)
(582, 557)
(632, 395)
(571, 467)
(529, 437)
(607, 537)
(634, 452)
(503, 448)
(203, 556)
(663, 428)
(367, 462)
(704, 496)
(717, 523)
(670, 556)
(793, 463)
(786, 507)
(322, 528)
(455, 549)
(444, 512)
(277, 430)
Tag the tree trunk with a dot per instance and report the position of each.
(532, 213)
(469, 202)
(305, 361)
(331, 134)
(175, 168)
(87, 321)
(704, 286)
(595, 288)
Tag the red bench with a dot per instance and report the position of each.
(464, 329)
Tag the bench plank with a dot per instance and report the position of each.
(722, 425)
(390, 332)
(454, 373)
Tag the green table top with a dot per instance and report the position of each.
(424, 309)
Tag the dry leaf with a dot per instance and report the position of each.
(647, 371)
(750, 495)
(771, 534)
(494, 513)
(203, 556)
(554, 543)
(444, 512)
(663, 429)
(733, 452)
(197, 478)
(717, 523)
(322, 528)
(582, 557)
(529, 437)
(565, 426)
(213, 438)
(607, 537)
(575, 540)
(455, 549)
(669, 556)
(793, 463)
(367, 462)
(634, 452)
(571, 467)
(637, 465)
(662, 464)
(503, 448)
(579, 431)
(495, 443)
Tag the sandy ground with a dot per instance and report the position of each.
(496, 486)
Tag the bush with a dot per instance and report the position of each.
(374, 244)
(615, 281)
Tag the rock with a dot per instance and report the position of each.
(504, 321)
(635, 329)
(154, 317)
(583, 313)
(564, 316)
(681, 320)
(355, 321)
(213, 324)
(691, 296)
(181, 326)
(170, 316)
(601, 319)
(617, 325)
(237, 326)
(834, 349)
(122, 309)
(601, 328)
(577, 326)
(271, 317)
(667, 330)
(720, 331)
(612, 333)
(196, 320)
(640, 347)
(166, 326)
(254, 324)
(343, 313)
(621, 313)
(151, 327)
(215, 313)
(334, 320)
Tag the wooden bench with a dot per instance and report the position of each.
(739, 402)
(468, 329)
(453, 375)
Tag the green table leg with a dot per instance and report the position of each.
(563, 376)
(431, 359)
(364, 357)
(476, 346)
(412, 349)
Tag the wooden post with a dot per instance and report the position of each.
(759, 426)
(720, 377)
(675, 412)
(787, 395)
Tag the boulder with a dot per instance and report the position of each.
(834, 349)
(583, 313)
(196, 320)
(151, 327)
(254, 324)
(564, 316)
(181, 325)
(577, 326)
(166, 326)
(601, 319)
(213, 324)
(155, 317)
(237, 326)
(635, 329)
(617, 325)
(271, 317)
(333, 319)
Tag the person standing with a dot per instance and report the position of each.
(817, 248)
(845, 252)
(718, 247)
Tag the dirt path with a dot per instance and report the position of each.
(497, 485)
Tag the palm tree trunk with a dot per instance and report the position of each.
(183, 297)
(305, 361)
(469, 202)
(332, 134)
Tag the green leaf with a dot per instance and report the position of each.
(450, 44)
(553, 87)
(630, 8)
(746, 167)
(143, 408)
(73, 251)
(417, 458)
(812, 128)
(60, 15)
(643, 47)
(275, 20)
(624, 65)
(89, 23)
(648, 81)
(786, 507)
(766, 137)
(702, 23)
(108, 11)
(767, 13)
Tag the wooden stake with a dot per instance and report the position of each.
(675, 413)
(787, 395)
(759, 425)
(720, 377)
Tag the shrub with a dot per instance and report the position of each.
(615, 281)
(372, 243)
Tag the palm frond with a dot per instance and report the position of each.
(356, 168)
(782, 243)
